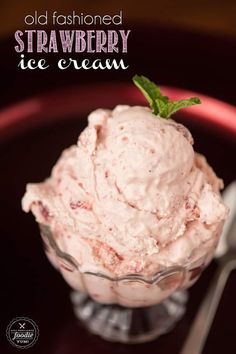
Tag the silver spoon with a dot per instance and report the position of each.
(226, 258)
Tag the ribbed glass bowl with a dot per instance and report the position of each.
(132, 308)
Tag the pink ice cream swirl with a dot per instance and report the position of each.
(131, 196)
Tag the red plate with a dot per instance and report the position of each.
(81, 100)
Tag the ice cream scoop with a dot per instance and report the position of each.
(131, 196)
(130, 213)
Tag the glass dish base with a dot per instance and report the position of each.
(129, 325)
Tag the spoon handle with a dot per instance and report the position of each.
(206, 313)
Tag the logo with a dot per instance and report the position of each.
(22, 332)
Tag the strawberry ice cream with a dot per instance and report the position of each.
(132, 197)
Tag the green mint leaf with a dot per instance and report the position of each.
(175, 106)
(149, 90)
(162, 107)
(160, 104)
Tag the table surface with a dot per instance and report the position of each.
(30, 286)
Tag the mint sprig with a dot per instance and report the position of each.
(160, 104)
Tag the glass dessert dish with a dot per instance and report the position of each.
(131, 309)
(130, 216)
